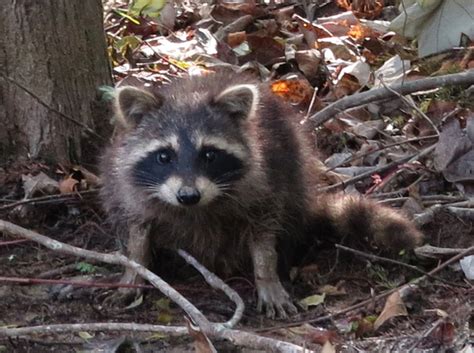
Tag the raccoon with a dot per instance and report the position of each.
(219, 166)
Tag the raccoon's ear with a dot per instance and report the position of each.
(132, 103)
(239, 101)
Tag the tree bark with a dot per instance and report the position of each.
(52, 59)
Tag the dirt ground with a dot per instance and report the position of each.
(351, 279)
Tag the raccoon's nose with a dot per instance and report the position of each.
(188, 196)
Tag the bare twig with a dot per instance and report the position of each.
(362, 176)
(436, 252)
(381, 169)
(383, 295)
(392, 261)
(49, 198)
(236, 26)
(217, 283)
(116, 259)
(427, 332)
(410, 103)
(378, 94)
(362, 155)
(213, 330)
(13, 242)
(23, 280)
(108, 326)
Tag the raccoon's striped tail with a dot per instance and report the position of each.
(354, 219)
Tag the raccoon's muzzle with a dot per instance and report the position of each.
(188, 196)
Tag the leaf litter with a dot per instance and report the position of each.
(309, 60)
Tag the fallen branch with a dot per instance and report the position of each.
(217, 283)
(381, 169)
(356, 100)
(392, 261)
(364, 303)
(106, 326)
(50, 198)
(213, 330)
(94, 284)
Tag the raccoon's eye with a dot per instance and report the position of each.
(210, 155)
(163, 157)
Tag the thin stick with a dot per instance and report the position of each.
(217, 283)
(412, 104)
(55, 197)
(364, 175)
(409, 159)
(362, 155)
(214, 330)
(108, 326)
(396, 262)
(23, 280)
(356, 100)
(383, 295)
(115, 259)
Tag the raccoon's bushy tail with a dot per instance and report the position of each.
(353, 219)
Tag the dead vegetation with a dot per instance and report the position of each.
(391, 125)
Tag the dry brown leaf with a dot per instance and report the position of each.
(236, 38)
(39, 183)
(444, 334)
(202, 343)
(369, 9)
(394, 306)
(311, 334)
(346, 86)
(454, 153)
(247, 6)
(328, 348)
(68, 185)
(294, 91)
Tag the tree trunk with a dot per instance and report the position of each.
(52, 59)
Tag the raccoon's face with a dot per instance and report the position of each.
(186, 154)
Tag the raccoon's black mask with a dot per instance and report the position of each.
(186, 153)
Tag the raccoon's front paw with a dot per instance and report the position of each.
(124, 296)
(274, 297)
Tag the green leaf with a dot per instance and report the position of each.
(85, 267)
(131, 42)
(128, 17)
(312, 300)
(150, 8)
(85, 335)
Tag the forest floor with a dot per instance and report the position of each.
(432, 315)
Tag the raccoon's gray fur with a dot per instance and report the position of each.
(218, 165)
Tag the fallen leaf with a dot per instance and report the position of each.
(312, 300)
(85, 335)
(332, 290)
(364, 326)
(454, 153)
(394, 306)
(236, 38)
(67, 185)
(40, 183)
(202, 343)
(393, 71)
(438, 24)
(444, 334)
(294, 91)
(328, 348)
(467, 266)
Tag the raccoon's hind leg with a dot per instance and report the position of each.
(271, 293)
(356, 218)
(138, 250)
